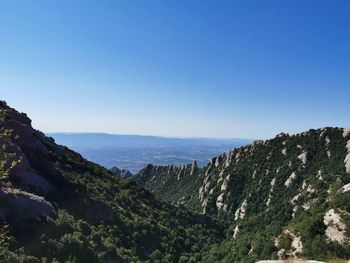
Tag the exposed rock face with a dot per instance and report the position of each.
(240, 213)
(220, 201)
(235, 232)
(279, 178)
(273, 182)
(295, 198)
(347, 158)
(303, 157)
(30, 178)
(172, 181)
(194, 167)
(14, 202)
(328, 141)
(290, 179)
(284, 151)
(345, 188)
(297, 246)
(19, 170)
(25, 135)
(151, 172)
(346, 132)
(281, 254)
(336, 227)
(122, 173)
(18, 140)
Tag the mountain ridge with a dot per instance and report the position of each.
(275, 187)
(55, 206)
(284, 198)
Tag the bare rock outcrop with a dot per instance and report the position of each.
(303, 157)
(345, 188)
(32, 179)
(347, 157)
(122, 173)
(241, 211)
(290, 179)
(346, 132)
(336, 227)
(14, 202)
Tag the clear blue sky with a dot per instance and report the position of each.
(177, 68)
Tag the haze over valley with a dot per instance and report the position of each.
(133, 152)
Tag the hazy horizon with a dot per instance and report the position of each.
(145, 135)
(133, 152)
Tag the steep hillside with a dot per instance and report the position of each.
(56, 206)
(172, 183)
(285, 197)
(122, 173)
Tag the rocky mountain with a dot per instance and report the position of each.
(55, 206)
(288, 197)
(122, 173)
(172, 183)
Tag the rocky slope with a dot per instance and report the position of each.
(172, 183)
(284, 197)
(122, 173)
(56, 206)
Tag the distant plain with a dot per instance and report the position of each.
(133, 152)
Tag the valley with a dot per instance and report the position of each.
(175, 131)
(134, 152)
(284, 198)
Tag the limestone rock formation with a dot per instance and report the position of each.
(262, 189)
(122, 173)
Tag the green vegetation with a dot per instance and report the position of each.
(172, 184)
(263, 201)
(257, 175)
(99, 217)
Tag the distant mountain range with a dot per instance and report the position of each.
(133, 152)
